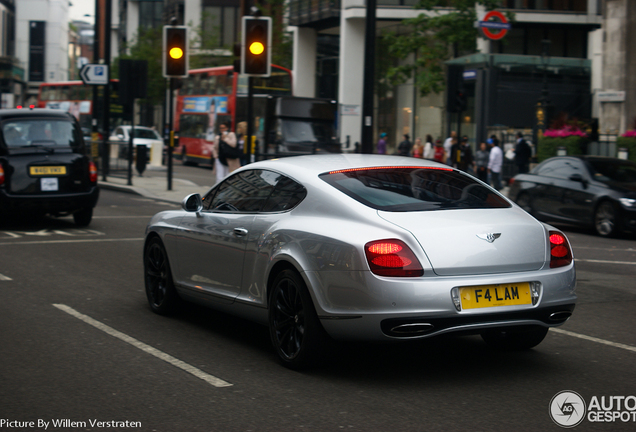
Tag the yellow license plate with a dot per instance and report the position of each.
(495, 295)
(47, 170)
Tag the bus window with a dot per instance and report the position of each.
(45, 94)
(65, 93)
(193, 125)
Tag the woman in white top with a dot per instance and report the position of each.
(429, 148)
(224, 165)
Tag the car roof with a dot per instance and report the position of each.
(33, 112)
(310, 166)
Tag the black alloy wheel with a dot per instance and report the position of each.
(514, 339)
(605, 219)
(295, 330)
(162, 295)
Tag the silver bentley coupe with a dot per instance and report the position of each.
(361, 247)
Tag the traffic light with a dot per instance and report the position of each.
(256, 46)
(462, 101)
(175, 51)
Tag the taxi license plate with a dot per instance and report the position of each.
(47, 170)
(495, 295)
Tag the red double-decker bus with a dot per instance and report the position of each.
(77, 98)
(211, 96)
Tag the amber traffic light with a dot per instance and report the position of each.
(256, 46)
(175, 51)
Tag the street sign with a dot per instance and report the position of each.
(502, 25)
(94, 74)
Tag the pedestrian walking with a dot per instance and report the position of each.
(448, 145)
(439, 155)
(418, 148)
(429, 148)
(225, 152)
(462, 155)
(381, 148)
(404, 148)
(522, 154)
(481, 162)
(495, 162)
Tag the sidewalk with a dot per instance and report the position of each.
(153, 187)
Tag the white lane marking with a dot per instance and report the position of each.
(71, 241)
(593, 339)
(210, 379)
(605, 262)
(4, 278)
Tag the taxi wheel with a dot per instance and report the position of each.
(296, 333)
(605, 219)
(83, 217)
(162, 295)
(515, 339)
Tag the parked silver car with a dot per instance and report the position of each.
(362, 247)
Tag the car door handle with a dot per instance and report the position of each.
(240, 231)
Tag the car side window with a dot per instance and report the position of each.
(562, 168)
(286, 195)
(244, 192)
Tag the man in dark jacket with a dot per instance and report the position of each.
(404, 148)
(522, 154)
(462, 155)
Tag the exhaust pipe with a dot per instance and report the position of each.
(560, 316)
(412, 329)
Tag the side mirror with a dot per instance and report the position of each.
(121, 137)
(192, 203)
(578, 178)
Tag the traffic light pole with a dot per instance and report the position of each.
(250, 117)
(171, 128)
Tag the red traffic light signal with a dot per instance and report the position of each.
(175, 51)
(256, 46)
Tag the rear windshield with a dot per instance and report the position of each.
(405, 189)
(146, 133)
(39, 132)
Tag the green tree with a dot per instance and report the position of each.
(432, 38)
(147, 45)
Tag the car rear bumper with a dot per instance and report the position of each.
(362, 306)
(49, 203)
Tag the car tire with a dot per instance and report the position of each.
(524, 201)
(162, 295)
(606, 219)
(83, 217)
(295, 331)
(514, 339)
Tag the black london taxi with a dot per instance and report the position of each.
(44, 166)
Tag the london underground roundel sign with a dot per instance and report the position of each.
(487, 26)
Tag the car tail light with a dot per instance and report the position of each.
(1, 175)
(392, 258)
(92, 172)
(560, 251)
(511, 181)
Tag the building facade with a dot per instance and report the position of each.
(42, 42)
(12, 79)
(503, 80)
